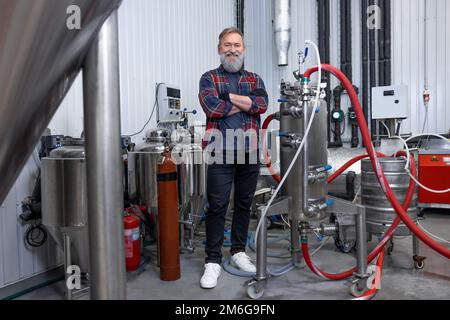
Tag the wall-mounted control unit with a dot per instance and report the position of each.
(390, 102)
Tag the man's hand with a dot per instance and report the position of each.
(233, 111)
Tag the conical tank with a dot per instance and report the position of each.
(40, 56)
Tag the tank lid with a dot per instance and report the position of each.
(68, 152)
(158, 135)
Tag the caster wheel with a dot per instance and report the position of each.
(344, 247)
(356, 291)
(253, 294)
(419, 265)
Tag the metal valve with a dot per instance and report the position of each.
(319, 175)
(291, 140)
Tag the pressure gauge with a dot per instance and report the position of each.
(337, 115)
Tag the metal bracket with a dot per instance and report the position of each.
(341, 206)
(279, 206)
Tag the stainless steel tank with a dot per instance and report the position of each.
(191, 176)
(379, 212)
(143, 168)
(64, 200)
(292, 128)
(39, 60)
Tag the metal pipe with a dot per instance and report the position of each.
(344, 36)
(361, 241)
(282, 30)
(304, 156)
(323, 7)
(295, 243)
(425, 44)
(104, 164)
(372, 72)
(387, 42)
(261, 252)
(381, 47)
(240, 17)
(365, 60)
(416, 245)
(348, 44)
(67, 264)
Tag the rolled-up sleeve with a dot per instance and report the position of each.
(259, 104)
(213, 107)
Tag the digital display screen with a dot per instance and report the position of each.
(173, 93)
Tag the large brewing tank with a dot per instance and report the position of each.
(379, 212)
(191, 169)
(64, 200)
(40, 56)
(143, 168)
(292, 123)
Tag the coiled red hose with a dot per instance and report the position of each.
(376, 163)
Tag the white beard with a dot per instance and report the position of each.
(235, 66)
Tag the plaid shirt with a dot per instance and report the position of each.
(215, 82)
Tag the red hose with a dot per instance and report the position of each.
(349, 164)
(376, 163)
(267, 159)
(373, 291)
(389, 233)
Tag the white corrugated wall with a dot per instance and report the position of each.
(172, 41)
(408, 60)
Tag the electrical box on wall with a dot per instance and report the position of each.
(390, 102)
(169, 103)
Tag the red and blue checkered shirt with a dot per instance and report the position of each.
(215, 82)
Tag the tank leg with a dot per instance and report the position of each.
(182, 232)
(67, 263)
(255, 286)
(358, 284)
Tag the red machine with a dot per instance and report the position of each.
(434, 173)
(132, 242)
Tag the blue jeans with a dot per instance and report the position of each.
(219, 183)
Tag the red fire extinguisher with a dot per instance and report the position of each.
(132, 242)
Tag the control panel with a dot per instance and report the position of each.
(390, 102)
(169, 104)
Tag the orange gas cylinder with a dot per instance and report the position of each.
(168, 219)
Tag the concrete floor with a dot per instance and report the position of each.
(400, 280)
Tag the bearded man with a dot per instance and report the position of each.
(233, 100)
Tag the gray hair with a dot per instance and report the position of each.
(228, 31)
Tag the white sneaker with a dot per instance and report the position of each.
(210, 276)
(243, 262)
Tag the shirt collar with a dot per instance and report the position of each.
(222, 69)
